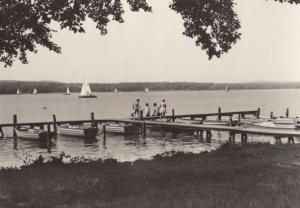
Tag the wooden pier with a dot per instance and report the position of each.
(171, 123)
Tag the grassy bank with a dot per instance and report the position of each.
(258, 175)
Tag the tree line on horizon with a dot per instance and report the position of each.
(10, 87)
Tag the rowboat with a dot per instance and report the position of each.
(284, 121)
(120, 128)
(24, 132)
(272, 125)
(224, 122)
(84, 130)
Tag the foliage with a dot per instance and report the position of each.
(25, 24)
(213, 22)
(289, 1)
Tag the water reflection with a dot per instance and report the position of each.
(14, 151)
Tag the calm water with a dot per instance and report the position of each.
(118, 105)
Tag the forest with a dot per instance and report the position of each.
(10, 87)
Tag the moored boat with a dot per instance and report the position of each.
(284, 121)
(272, 125)
(223, 122)
(84, 130)
(120, 128)
(24, 132)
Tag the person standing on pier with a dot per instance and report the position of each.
(163, 109)
(155, 110)
(146, 110)
(136, 109)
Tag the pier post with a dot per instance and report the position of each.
(54, 124)
(197, 134)
(291, 140)
(258, 113)
(208, 135)
(239, 119)
(203, 118)
(1, 132)
(163, 133)
(141, 115)
(244, 138)
(201, 133)
(230, 121)
(92, 119)
(271, 115)
(287, 112)
(104, 132)
(243, 116)
(277, 139)
(173, 114)
(48, 134)
(232, 137)
(219, 114)
(14, 125)
(144, 130)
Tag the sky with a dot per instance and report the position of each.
(151, 47)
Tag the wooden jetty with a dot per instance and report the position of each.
(198, 129)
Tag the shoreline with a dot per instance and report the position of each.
(76, 93)
(10, 87)
(255, 175)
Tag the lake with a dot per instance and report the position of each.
(41, 107)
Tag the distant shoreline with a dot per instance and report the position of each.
(10, 87)
(78, 92)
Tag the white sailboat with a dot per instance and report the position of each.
(226, 88)
(34, 91)
(68, 92)
(116, 90)
(19, 91)
(146, 89)
(86, 91)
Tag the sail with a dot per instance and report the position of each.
(147, 90)
(18, 91)
(116, 90)
(227, 88)
(68, 90)
(85, 90)
(34, 91)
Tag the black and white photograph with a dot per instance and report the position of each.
(149, 103)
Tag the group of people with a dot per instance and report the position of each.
(140, 112)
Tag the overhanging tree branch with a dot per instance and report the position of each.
(25, 24)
